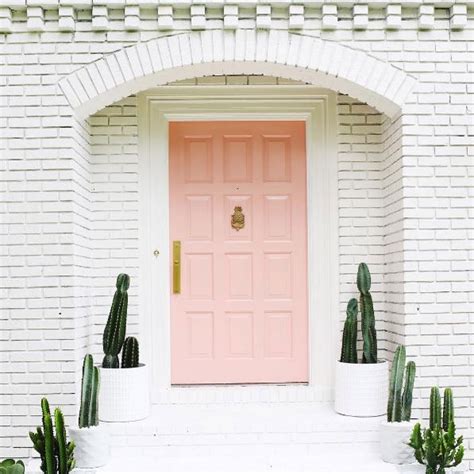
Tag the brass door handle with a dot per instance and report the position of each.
(176, 266)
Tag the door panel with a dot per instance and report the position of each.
(238, 206)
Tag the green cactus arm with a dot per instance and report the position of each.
(407, 397)
(110, 362)
(458, 456)
(435, 408)
(49, 445)
(130, 353)
(71, 463)
(94, 404)
(106, 340)
(369, 336)
(45, 406)
(363, 278)
(349, 335)
(114, 333)
(394, 405)
(448, 408)
(86, 391)
(61, 439)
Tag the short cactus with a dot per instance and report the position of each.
(57, 455)
(10, 466)
(369, 334)
(437, 447)
(399, 403)
(130, 353)
(114, 333)
(88, 412)
(349, 337)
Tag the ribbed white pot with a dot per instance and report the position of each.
(124, 394)
(361, 389)
(394, 437)
(92, 446)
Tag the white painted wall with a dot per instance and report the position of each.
(409, 183)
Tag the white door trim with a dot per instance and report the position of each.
(317, 107)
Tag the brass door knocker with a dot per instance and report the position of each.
(237, 219)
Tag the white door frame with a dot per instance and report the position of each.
(317, 107)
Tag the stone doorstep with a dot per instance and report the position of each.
(244, 437)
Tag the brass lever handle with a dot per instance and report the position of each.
(176, 266)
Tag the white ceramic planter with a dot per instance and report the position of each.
(394, 439)
(92, 446)
(124, 394)
(361, 389)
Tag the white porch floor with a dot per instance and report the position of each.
(262, 437)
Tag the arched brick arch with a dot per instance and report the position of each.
(275, 53)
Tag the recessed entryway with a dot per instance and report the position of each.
(299, 119)
(238, 233)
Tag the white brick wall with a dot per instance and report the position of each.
(69, 205)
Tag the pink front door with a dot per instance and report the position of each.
(238, 207)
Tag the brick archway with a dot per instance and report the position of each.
(275, 53)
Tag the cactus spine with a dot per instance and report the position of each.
(349, 336)
(57, 455)
(89, 391)
(435, 408)
(399, 403)
(114, 333)
(448, 408)
(369, 334)
(130, 353)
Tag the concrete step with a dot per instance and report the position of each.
(244, 437)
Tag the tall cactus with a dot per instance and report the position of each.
(89, 391)
(400, 395)
(57, 455)
(435, 408)
(114, 333)
(130, 353)
(369, 334)
(349, 336)
(448, 408)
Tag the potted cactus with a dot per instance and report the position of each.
(90, 439)
(56, 453)
(361, 388)
(124, 394)
(437, 447)
(395, 431)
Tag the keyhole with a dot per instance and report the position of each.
(156, 253)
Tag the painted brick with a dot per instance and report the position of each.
(71, 217)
